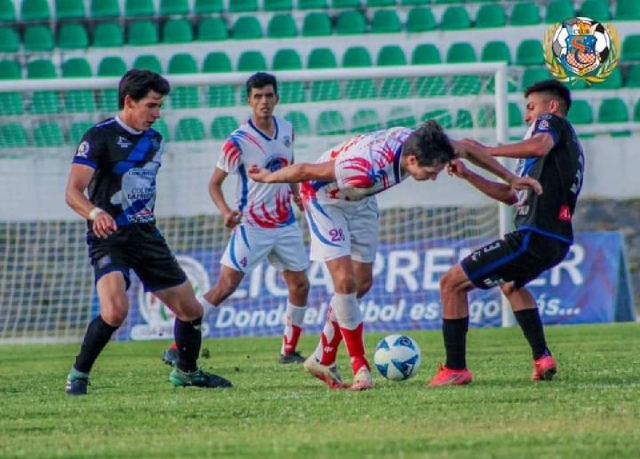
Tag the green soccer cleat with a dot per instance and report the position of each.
(198, 378)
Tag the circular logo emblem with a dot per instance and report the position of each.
(581, 49)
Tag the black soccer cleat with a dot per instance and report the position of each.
(291, 357)
(77, 383)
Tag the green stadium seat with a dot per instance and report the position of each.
(461, 52)
(80, 101)
(515, 115)
(13, 135)
(426, 53)
(316, 24)
(401, 117)
(356, 57)
(385, 21)
(393, 88)
(202, 7)
(41, 69)
(292, 92)
(277, 5)
(365, 120)
(174, 7)
(464, 119)
(10, 102)
(101, 9)
(34, 10)
(286, 59)
(38, 38)
(636, 111)
(246, 28)
(486, 117)
(142, 33)
(613, 81)
(77, 131)
(559, 10)
(455, 18)
(595, 9)
(299, 121)
(243, 6)
(420, 19)
(312, 5)
(321, 58)
(161, 127)
(445, 2)
(346, 4)
(183, 96)
(524, 14)
(441, 115)
(495, 51)
(76, 67)
(630, 48)
(632, 81)
(251, 61)
(107, 35)
(111, 66)
(7, 11)
(413, 2)
(530, 52)
(177, 31)
(330, 122)
(380, 3)
(221, 95)
(48, 135)
(282, 26)
(182, 63)
(533, 75)
(69, 9)
(212, 29)
(580, 112)
(107, 100)
(613, 110)
(73, 36)
(147, 62)
(139, 8)
(627, 10)
(222, 126)
(390, 55)
(9, 41)
(189, 129)
(351, 22)
(489, 16)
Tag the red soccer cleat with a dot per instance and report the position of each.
(449, 377)
(544, 369)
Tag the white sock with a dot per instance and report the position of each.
(293, 322)
(347, 310)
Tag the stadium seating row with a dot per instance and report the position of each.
(521, 13)
(329, 122)
(146, 32)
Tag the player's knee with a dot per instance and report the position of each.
(508, 289)
(300, 286)
(345, 283)
(114, 312)
(448, 283)
(189, 310)
(364, 285)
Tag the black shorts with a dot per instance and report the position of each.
(520, 258)
(148, 256)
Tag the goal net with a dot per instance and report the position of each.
(46, 282)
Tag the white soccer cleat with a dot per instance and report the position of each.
(362, 380)
(328, 374)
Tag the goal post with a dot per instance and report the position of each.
(46, 287)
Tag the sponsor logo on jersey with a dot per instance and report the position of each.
(123, 142)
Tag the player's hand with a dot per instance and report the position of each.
(297, 200)
(457, 168)
(104, 225)
(258, 174)
(526, 183)
(232, 219)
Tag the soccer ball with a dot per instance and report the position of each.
(397, 357)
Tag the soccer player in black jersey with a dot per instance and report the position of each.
(550, 152)
(116, 164)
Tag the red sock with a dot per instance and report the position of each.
(290, 342)
(354, 341)
(330, 345)
(174, 346)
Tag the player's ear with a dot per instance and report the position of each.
(554, 106)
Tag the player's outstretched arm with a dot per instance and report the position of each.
(538, 145)
(495, 190)
(295, 173)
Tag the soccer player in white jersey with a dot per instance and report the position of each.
(262, 220)
(341, 209)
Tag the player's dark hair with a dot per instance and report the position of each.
(553, 88)
(260, 80)
(429, 144)
(137, 84)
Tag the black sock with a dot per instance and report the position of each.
(455, 342)
(95, 339)
(188, 336)
(531, 325)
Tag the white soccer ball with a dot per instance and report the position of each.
(397, 357)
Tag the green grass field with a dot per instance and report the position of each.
(592, 410)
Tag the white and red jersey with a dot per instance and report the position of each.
(262, 205)
(365, 165)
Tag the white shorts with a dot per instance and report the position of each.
(343, 228)
(249, 246)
